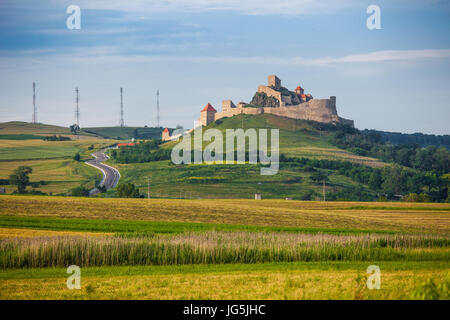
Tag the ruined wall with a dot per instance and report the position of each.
(273, 81)
(227, 105)
(236, 111)
(270, 92)
(321, 110)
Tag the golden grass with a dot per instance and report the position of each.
(8, 233)
(292, 284)
(403, 217)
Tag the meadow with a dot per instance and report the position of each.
(54, 169)
(227, 249)
(429, 218)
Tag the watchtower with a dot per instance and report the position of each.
(207, 115)
(274, 81)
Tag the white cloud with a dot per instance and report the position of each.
(252, 7)
(112, 55)
(387, 55)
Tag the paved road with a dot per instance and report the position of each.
(111, 175)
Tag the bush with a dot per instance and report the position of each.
(414, 197)
(128, 190)
(77, 157)
(56, 138)
(80, 192)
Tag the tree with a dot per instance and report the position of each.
(375, 180)
(394, 180)
(128, 190)
(318, 177)
(80, 192)
(75, 129)
(20, 178)
(77, 157)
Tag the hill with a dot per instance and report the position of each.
(20, 127)
(421, 139)
(122, 133)
(298, 138)
(310, 153)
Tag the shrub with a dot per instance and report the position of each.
(80, 192)
(128, 190)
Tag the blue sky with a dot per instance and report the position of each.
(199, 51)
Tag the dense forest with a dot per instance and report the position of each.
(424, 140)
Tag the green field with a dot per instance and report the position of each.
(293, 281)
(222, 249)
(52, 161)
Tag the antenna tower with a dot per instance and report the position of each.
(34, 120)
(77, 107)
(157, 109)
(121, 107)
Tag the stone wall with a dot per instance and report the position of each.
(270, 92)
(320, 110)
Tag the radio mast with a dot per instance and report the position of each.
(77, 107)
(157, 109)
(121, 107)
(34, 119)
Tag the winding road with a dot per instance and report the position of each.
(111, 175)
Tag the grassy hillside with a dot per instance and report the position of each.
(54, 169)
(125, 132)
(19, 127)
(298, 138)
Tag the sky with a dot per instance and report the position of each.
(396, 78)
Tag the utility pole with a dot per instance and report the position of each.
(157, 109)
(34, 119)
(324, 199)
(121, 108)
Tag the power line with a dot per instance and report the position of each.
(157, 109)
(34, 119)
(121, 108)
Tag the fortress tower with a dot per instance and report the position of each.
(165, 135)
(207, 115)
(274, 81)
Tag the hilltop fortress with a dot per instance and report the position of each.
(277, 100)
